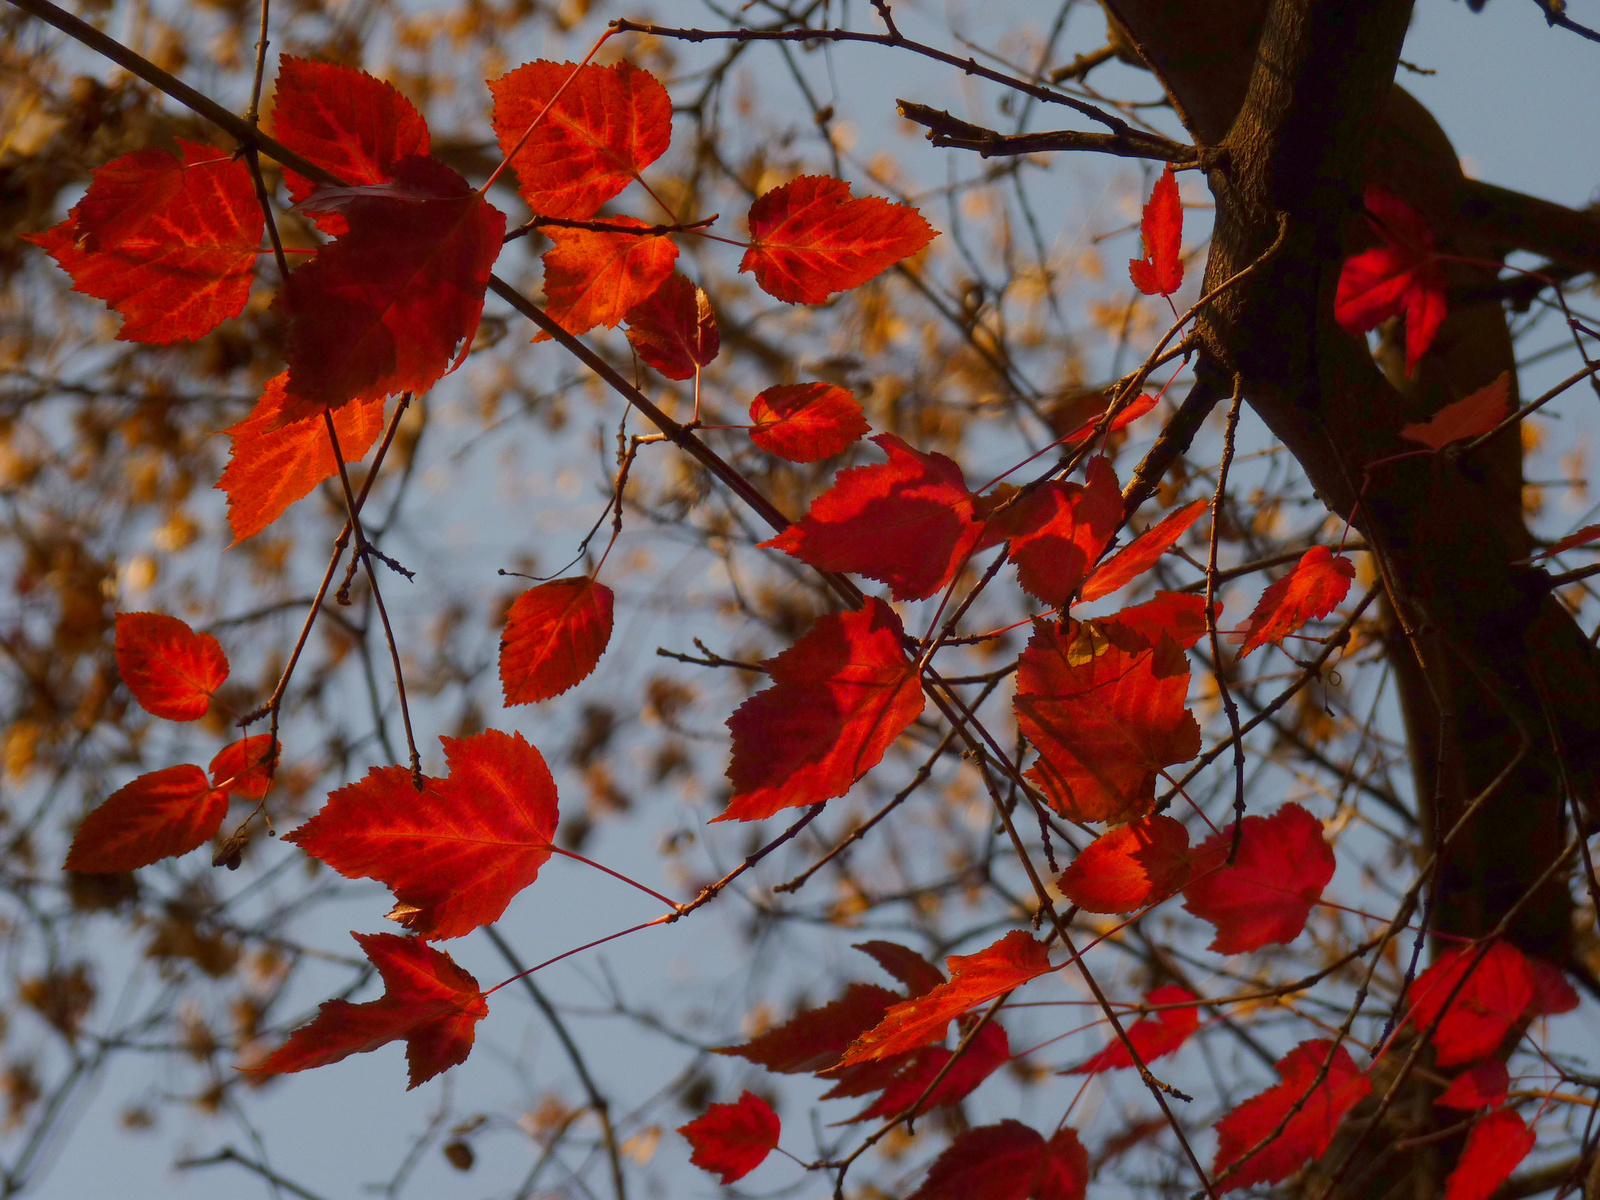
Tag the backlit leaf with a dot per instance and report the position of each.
(1066, 528)
(1482, 1084)
(241, 769)
(1492, 1000)
(596, 277)
(988, 1051)
(164, 813)
(806, 422)
(1472, 417)
(1160, 271)
(674, 329)
(1140, 555)
(1495, 1146)
(170, 669)
(815, 1039)
(731, 1140)
(1400, 276)
(1154, 1036)
(1140, 863)
(555, 634)
(1319, 581)
(910, 968)
(1008, 1161)
(1266, 896)
(1179, 615)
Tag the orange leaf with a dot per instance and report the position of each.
(810, 238)
(242, 768)
(909, 522)
(1160, 272)
(806, 422)
(1468, 418)
(555, 634)
(731, 1140)
(1008, 1161)
(1065, 529)
(815, 1039)
(1319, 581)
(594, 277)
(840, 697)
(1179, 615)
(170, 669)
(159, 815)
(273, 464)
(608, 124)
(1491, 1001)
(1105, 709)
(427, 1000)
(1153, 1036)
(1140, 863)
(1309, 1131)
(455, 853)
(1135, 559)
(1401, 275)
(1268, 893)
(1495, 1146)
(674, 330)
(1484, 1083)
(974, 979)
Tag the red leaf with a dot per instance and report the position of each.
(347, 122)
(674, 330)
(1139, 556)
(1319, 581)
(273, 464)
(1063, 531)
(1179, 615)
(1130, 413)
(1008, 1161)
(1482, 1084)
(1491, 1001)
(427, 1000)
(1268, 893)
(608, 124)
(1468, 418)
(1402, 275)
(731, 1140)
(1153, 1036)
(1105, 709)
(1309, 1131)
(594, 277)
(806, 422)
(555, 634)
(909, 522)
(974, 978)
(455, 853)
(170, 669)
(810, 238)
(1552, 994)
(1583, 537)
(988, 1052)
(1160, 272)
(910, 968)
(169, 242)
(1140, 863)
(840, 697)
(815, 1039)
(159, 815)
(385, 308)
(1495, 1146)
(241, 768)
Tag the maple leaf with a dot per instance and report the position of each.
(910, 968)
(674, 329)
(1160, 271)
(1082, 430)
(974, 978)
(1492, 1000)
(347, 122)
(243, 769)
(1179, 615)
(1482, 1084)
(1583, 537)
(385, 308)
(272, 464)
(1140, 555)
(909, 522)
(428, 1001)
(1105, 709)
(1140, 863)
(167, 240)
(1401, 275)
(555, 634)
(731, 1140)
(607, 125)
(810, 238)
(159, 815)
(1497, 1143)
(597, 277)
(1308, 1132)
(988, 1051)
(1472, 417)
(455, 853)
(1064, 530)
(1266, 896)
(1153, 1036)
(840, 697)
(806, 422)
(1552, 994)
(815, 1039)
(1319, 581)
(1008, 1161)
(170, 669)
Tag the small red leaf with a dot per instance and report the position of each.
(159, 815)
(806, 422)
(597, 277)
(555, 634)
(1062, 531)
(731, 1140)
(1482, 1084)
(1266, 896)
(1492, 1000)
(810, 238)
(674, 330)
(1552, 994)
(427, 1000)
(170, 669)
(1402, 275)
(1160, 272)
(1153, 1036)
(241, 768)
(1495, 1146)
(1140, 863)
(1130, 413)
(988, 1051)
(1583, 537)
(815, 1039)
(1319, 581)
(1008, 1161)
(1468, 418)
(1139, 556)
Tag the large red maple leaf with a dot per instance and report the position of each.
(1491, 1001)
(1401, 275)
(555, 634)
(159, 815)
(731, 1140)
(1009, 1161)
(840, 697)
(428, 1001)
(171, 670)
(1266, 895)
(456, 852)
